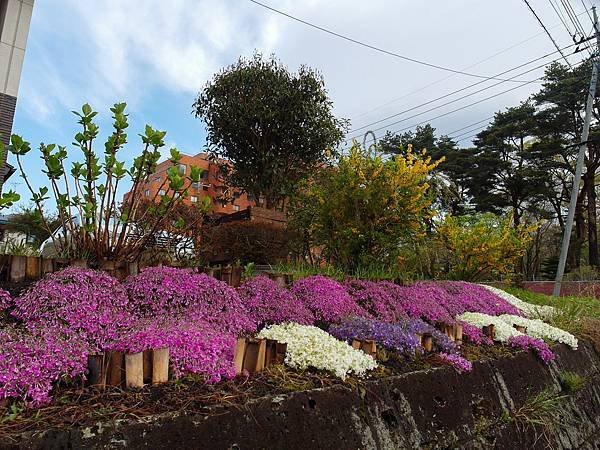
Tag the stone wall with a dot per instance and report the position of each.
(438, 408)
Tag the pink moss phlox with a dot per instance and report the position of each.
(176, 292)
(195, 346)
(328, 300)
(525, 342)
(82, 303)
(377, 299)
(268, 303)
(31, 361)
(475, 335)
(6, 301)
(455, 360)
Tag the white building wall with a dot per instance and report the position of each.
(13, 40)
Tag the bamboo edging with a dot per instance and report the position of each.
(255, 355)
(366, 345)
(131, 370)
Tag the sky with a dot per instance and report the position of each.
(156, 55)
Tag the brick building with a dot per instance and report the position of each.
(209, 185)
(15, 16)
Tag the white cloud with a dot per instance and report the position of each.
(106, 50)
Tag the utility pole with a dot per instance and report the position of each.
(579, 167)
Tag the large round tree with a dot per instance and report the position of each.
(272, 126)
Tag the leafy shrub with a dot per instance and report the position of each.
(481, 246)
(246, 241)
(365, 209)
(268, 303)
(328, 300)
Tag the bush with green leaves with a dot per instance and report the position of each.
(93, 223)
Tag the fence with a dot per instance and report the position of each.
(19, 269)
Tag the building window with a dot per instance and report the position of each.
(194, 199)
(236, 207)
(161, 192)
(250, 197)
(204, 175)
(147, 192)
(196, 185)
(181, 168)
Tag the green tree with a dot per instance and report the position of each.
(27, 220)
(272, 126)
(560, 116)
(363, 210)
(505, 174)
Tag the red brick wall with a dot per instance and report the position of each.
(577, 288)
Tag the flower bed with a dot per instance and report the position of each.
(78, 312)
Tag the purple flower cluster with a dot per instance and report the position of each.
(171, 292)
(537, 345)
(75, 312)
(30, 363)
(433, 302)
(458, 362)
(77, 302)
(402, 336)
(268, 303)
(328, 300)
(378, 299)
(475, 335)
(6, 301)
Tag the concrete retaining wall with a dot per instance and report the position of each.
(433, 409)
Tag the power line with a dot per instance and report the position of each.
(573, 17)
(469, 105)
(487, 119)
(372, 47)
(449, 76)
(587, 11)
(465, 68)
(476, 130)
(547, 32)
(455, 92)
(560, 16)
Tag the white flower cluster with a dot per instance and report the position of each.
(309, 346)
(530, 310)
(503, 330)
(538, 329)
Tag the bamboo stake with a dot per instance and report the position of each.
(160, 365)
(134, 370)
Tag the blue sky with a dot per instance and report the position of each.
(156, 55)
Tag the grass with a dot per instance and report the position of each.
(372, 272)
(571, 310)
(585, 306)
(541, 409)
(571, 382)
